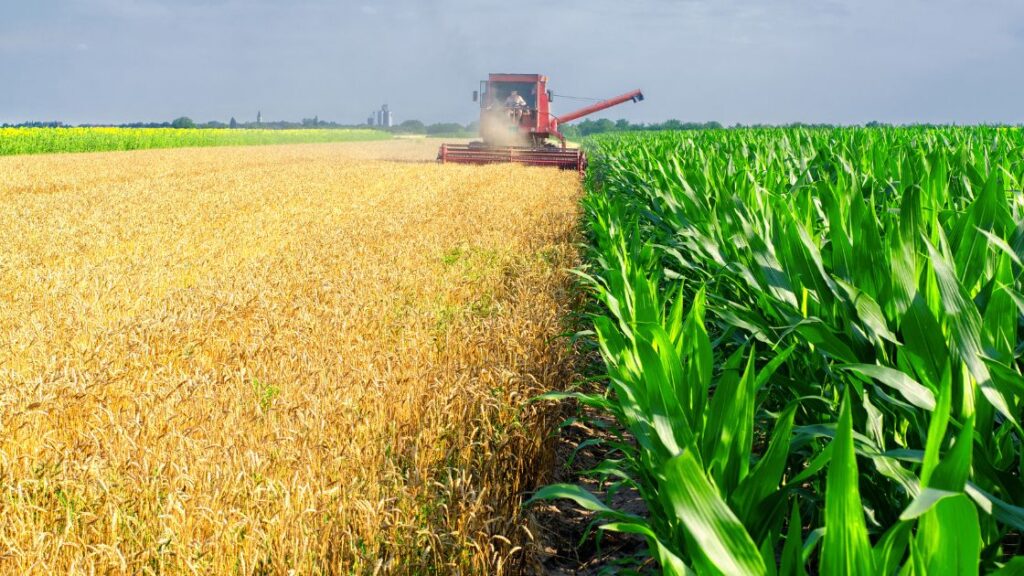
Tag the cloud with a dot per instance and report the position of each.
(726, 60)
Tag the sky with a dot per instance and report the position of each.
(732, 61)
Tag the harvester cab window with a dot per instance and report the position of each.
(526, 90)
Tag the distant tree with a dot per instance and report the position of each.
(589, 127)
(412, 127)
(36, 124)
(233, 123)
(601, 126)
(445, 128)
(183, 122)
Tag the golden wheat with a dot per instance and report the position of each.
(273, 359)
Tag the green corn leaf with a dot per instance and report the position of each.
(592, 400)
(813, 467)
(923, 341)
(768, 551)
(1002, 245)
(999, 323)
(671, 563)
(845, 548)
(695, 348)
(937, 428)
(888, 467)
(1012, 516)
(792, 558)
(777, 361)
(737, 457)
(948, 539)
(985, 212)
(766, 476)
(723, 426)
(868, 254)
(671, 425)
(1007, 378)
(768, 268)
(815, 332)
(924, 502)
(910, 389)
(903, 255)
(674, 320)
(965, 324)
(582, 497)
(804, 254)
(1015, 567)
(811, 543)
(869, 313)
(949, 534)
(954, 470)
(892, 547)
(612, 345)
(725, 547)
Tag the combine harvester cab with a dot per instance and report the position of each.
(516, 122)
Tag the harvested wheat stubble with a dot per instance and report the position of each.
(290, 357)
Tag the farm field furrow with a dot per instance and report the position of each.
(287, 357)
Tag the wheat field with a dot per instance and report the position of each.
(286, 359)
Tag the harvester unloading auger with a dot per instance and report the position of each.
(516, 122)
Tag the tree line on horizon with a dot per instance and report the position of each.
(315, 123)
(575, 130)
(184, 122)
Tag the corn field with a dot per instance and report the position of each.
(276, 360)
(812, 343)
(98, 139)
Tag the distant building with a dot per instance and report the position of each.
(381, 118)
(259, 117)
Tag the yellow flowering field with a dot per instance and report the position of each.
(274, 359)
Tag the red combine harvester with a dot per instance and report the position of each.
(516, 122)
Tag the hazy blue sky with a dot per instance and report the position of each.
(846, 61)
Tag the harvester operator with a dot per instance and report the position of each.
(515, 105)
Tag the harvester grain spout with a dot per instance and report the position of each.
(635, 96)
(516, 122)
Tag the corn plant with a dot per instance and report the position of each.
(813, 339)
